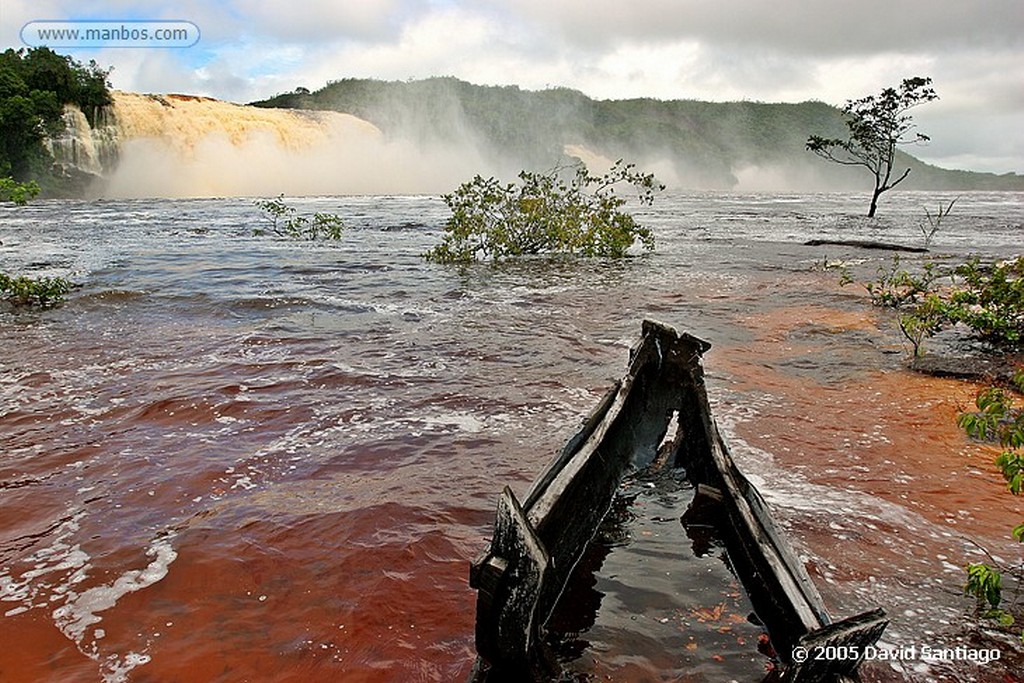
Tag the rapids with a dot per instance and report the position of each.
(229, 457)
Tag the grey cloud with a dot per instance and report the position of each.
(822, 27)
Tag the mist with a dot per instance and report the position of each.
(177, 147)
(428, 137)
(340, 164)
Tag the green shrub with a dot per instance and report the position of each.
(987, 299)
(545, 214)
(897, 288)
(990, 300)
(19, 193)
(285, 221)
(44, 292)
(921, 312)
(998, 420)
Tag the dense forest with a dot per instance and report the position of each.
(35, 85)
(705, 143)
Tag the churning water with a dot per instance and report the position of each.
(230, 457)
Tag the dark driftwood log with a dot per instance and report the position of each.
(867, 244)
(536, 545)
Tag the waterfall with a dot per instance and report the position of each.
(177, 145)
(189, 146)
(86, 148)
(183, 123)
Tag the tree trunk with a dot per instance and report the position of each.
(874, 202)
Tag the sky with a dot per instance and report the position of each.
(718, 50)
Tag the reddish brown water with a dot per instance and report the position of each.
(236, 459)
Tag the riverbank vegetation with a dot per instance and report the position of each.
(999, 420)
(984, 299)
(553, 213)
(18, 193)
(35, 84)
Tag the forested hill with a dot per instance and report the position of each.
(701, 144)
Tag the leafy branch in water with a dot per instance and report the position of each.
(545, 213)
(44, 292)
(285, 221)
(19, 193)
(998, 419)
(24, 291)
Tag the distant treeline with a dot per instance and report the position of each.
(706, 144)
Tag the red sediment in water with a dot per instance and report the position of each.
(353, 566)
(365, 595)
(888, 432)
(877, 435)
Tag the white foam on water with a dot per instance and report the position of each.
(116, 669)
(452, 421)
(62, 556)
(54, 575)
(82, 610)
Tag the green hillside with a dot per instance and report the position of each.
(705, 144)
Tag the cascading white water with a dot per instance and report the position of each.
(87, 148)
(189, 146)
(184, 122)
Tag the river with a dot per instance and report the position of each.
(231, 457)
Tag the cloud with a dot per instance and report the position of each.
(786, 50)
(795, 26)
(314, 21)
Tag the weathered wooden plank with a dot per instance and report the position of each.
(509, 581)
(867, 244)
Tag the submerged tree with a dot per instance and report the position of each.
(545, 213)
(286, 222)
(877, 125)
